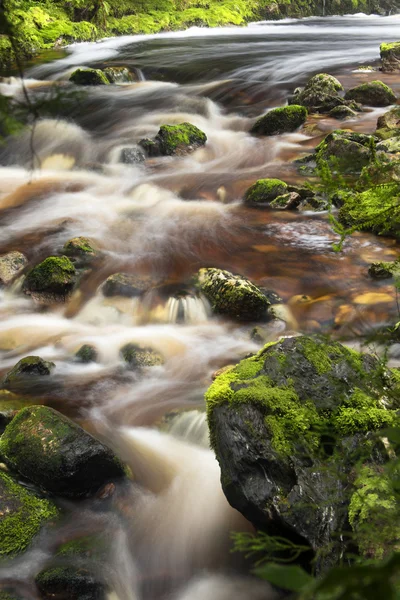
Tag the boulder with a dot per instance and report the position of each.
(342, 112)
(11, 264)
(70, 582)
(264, 191)
(86, 354)
(125, 284)
(280, 120)
(56, 454)
(89, 77)
(321, 94)
(138, 357)
(55, 276)
(175, 140)
(372, 93)
(376, 210)
(118, 75)
(22, 516)
(390, 57)
(232, 295)
(29, 374)
(345, 151)
(290, 425)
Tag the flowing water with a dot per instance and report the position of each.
(168, 532)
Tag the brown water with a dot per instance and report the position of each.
(168, 532)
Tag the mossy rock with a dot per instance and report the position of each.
(138, 357)
(87, 547)
(56, 454)
(264, 191)
(125, 284)
(345, 151)
(373, 93)
(376, 210)
(118, 75)
(22, 516)
(10, 404)
(389, 122)
(71, 582)
(180, 139)
(9, 593)
(79, 247)
(232, 295)
(321, 94)
(86, 354)
(280, 120)
(384, 270)
(89, 77)
(11, 264)
(390, 57)
(289, 425)
(391, 145)
(289, 201)
(342, 112)
(29, 374)
(54, 276)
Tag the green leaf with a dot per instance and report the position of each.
(287, 577)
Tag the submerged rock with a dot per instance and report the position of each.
(132, 155)
(175, 140)
(55, 276)
(10, 265)
(321, 94)
(264, 191)
(372, 93)
(56, 454)
(89, 77)
(28, 374)
(280, 120)
(125, 284)
(71, 582)
(390, 56)
(22, 515)
(289, 425)
(345, 151)
(138, 357)
(232, 295)
(86, 354)
(118, 75)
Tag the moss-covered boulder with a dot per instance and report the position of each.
(86, 354)
(390, 56)
(345, 151)
(376, 210)
(342, 113)
(30, 374)
(175, 140)
(138, 357)
(125, 284)
(56, 454)
(384, 270)
(372, 93)
(55, 276)
(264, 191)
(11, 264)
(321, 94)
(89, 77)
(280, 120)
(71, 582)
(118, 75)
(79, 247)
(232, 295)
(22, 516)
(388, 124)
(390, 145)
(289, 426)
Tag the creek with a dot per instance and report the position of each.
(168, 532)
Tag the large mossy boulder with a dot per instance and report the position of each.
(345, 151)
(89, 77)
(321, 94)
(11, 264)
(390, 56)
(175, 140)
(232, 295)
(22, 516)
(56, 454)
(372, 93)
(290, 425)
(376, 210)
(280, 120)
(29, 375)
(71, 582)
(55, 276)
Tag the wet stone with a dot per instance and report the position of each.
(70, 583)
(29, 374)
(10, 265)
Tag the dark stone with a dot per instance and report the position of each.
(280, 120)
(125, 284)
(132, 155)
(86, 354)
(138, 358)
(29, 374)
(70, 582)
(373, 93)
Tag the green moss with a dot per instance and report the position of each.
(280, 120)
(79, 246)
(264, 191)
(86, 354)
(138, 358)
(27, 368)
(385, 270)
(55, 275)
(22, 514)
(89, 77)
(175, 139)
(389, 47)
(373, 93)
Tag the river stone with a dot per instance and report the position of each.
(280, 120)
(118, 75)
(132, 155)
(10, 265)
(389, 123)
(391, 145)
(56, 454)
(390, 57)
(29, 374)
(175, 140)
(342, 112)
(372, 93)
(232, 295)
(89, 77)
(125, 284)
(70, 582)
(264, 191)
(321, 94)
(79, 247)
(289, 201)
(86, 354)
(139, 357)
(22, 515)
(345, 151)
(55, 276)
(289, 425)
